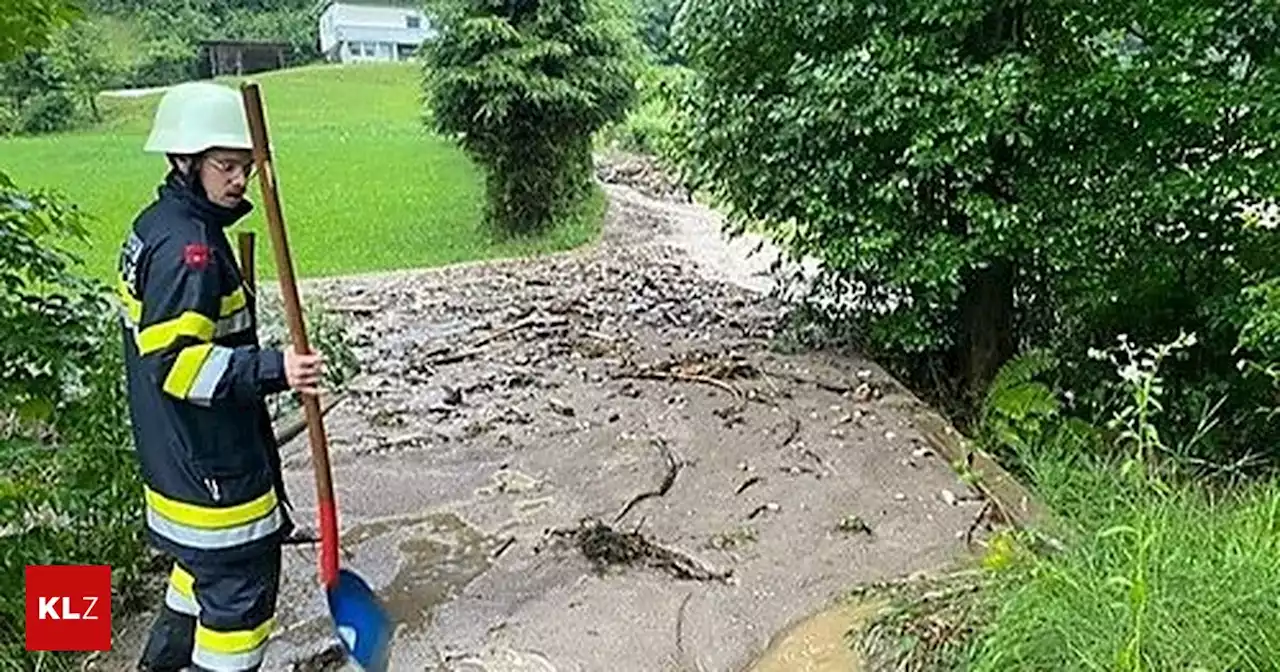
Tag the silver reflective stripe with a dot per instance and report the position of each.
(230, 662)
(212, 539)
(233, 324)
(181, 603)
(210, 373)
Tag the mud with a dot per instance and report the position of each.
(501, 402)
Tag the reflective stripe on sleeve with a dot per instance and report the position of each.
(233, 324)
(233, 302)
(211, 371)
(162, 334)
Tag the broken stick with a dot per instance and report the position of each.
(673, 468)
(687, 377)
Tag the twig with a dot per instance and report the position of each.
(673, 468)
(830, 387)
(503, 548)
(687, 377)
(791, 436)
(680, 627)
(748, 483)
(292, 430)
(973, 527)
(454, 358)
(530, 321)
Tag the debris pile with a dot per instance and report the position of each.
(643, 174)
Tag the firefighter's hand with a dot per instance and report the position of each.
(304, 371)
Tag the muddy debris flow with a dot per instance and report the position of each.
(601, 460)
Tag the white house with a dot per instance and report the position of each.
(385, 30)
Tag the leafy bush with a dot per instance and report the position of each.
(48, 112)
(68, 478)
(650, 127)
(978, 177)
(526, 86)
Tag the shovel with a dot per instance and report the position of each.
(360, 620)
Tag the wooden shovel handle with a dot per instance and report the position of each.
(293, 314)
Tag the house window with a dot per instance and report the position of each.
(411, 21)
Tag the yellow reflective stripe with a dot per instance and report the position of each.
(234, 641)
(182, 581)
(162, 335)
(185, 369)
(132, 306)
(233, 302)
(208, 517)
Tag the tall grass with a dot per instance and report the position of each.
(1183, 580)
(1166, 572)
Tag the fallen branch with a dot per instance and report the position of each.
(525, 323)
(291, 431)
(604, 546)
(838, 388)
(687, 377)
(673, 468)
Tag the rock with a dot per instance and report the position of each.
(922, 452)
(949, 497)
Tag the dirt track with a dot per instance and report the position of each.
(500, 403)
(556, 409)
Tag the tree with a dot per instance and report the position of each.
(526, 84)
(980, 176)
(80, 52)
(27, 24)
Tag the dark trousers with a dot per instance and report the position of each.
(216, 616)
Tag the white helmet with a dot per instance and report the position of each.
(196, 116)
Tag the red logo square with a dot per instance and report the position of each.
(68, 607)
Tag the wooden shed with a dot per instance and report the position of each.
(240, 57)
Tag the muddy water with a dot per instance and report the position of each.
(441, 555)
(820, 643)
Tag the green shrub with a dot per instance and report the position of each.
(977, 178)
(48, 112)
(526, 86)
(651, 126)
(69, 488)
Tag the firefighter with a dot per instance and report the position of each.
(197, 378)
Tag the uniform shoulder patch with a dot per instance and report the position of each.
(196, 256)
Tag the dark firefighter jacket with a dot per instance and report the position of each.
(196, 382)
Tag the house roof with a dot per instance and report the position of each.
(322, 5)
(245, 43)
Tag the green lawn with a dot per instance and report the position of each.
(363, 184)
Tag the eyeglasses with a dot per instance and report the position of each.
(230, 166)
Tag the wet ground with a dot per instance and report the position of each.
(731, 489)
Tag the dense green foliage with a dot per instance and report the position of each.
(27, 24)
(526, 86)
(982, 176)
(68, 482)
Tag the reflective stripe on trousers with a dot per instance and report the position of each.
(212, 528)
(231, 650)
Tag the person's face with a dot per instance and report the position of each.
(225, 175)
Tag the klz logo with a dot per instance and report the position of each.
(68, 607)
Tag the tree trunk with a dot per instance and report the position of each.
(986, 322)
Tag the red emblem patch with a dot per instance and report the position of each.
(196, 256)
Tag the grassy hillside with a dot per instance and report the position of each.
(364, 186)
